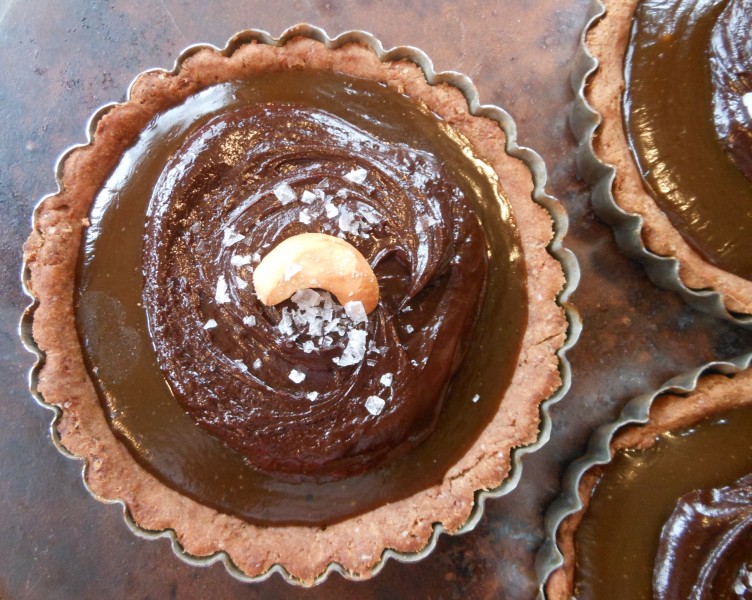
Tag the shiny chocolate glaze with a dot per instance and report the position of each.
(114, 327)
(619, 537)
(423, 241)
(706, 546)
(687, 68)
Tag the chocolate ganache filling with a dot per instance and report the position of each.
(300, 413)
(688, 113)
(706, 546)
(300, 388)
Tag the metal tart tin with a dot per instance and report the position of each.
(635, 412)
(584, 121)
(564, 256)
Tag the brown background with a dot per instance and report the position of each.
(61, 60)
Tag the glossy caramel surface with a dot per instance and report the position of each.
(147, 288)
(687, 70)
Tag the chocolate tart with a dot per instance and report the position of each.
(257, 537)
(685, 214)
(661, 502)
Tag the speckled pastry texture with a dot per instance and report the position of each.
(714, 394)
(608, 41)
(357, 544)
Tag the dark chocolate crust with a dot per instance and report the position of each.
(51, 255)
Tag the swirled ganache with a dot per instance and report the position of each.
(307, 390)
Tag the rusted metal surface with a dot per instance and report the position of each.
(60, 61)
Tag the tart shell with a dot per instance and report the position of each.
(679, 403)
(358, 546)
(642, 229)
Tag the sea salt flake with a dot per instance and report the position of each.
(231, 237)
(476, 398)
(257, 364)
(210, 324)
(307, 197)
(342, 194)
(306, 298)
(747, 100)
(305, 217)
(409, 328)
(240, 283)
(312, 396)
(357, 175)
(308, 347)
(256, 257)
(296, 376)
(355, 311)
(240, 260)
(407, 309)
(355, 349)
(331, 210)
(249, 321)
(291, 270)
(285, 323)
(386, 379)
(285, 194)
(241, 365)
(221, 295)
(375, 405)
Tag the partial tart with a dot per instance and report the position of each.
(661, 504)
(357, 529)
(673, 119)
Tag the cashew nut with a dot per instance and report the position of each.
(316, 260)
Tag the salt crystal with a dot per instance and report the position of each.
(355, 349)
(356, 312)
(231, 237)
(257, 363)
(291, 270)
(210, 324)
(342, 194)
(285, 194)
(331, 210)
(386, 379)
(256, 257)
(241, 365)
(249, 321)
(240, 283)
(285, 324)
(312, 396)
(296, 376)
(307, 197)
(308, 347)
(409, 328)
(305, 217)
(327, 340)
(221, 295)
(346, 221)
(407, 309)
(240, 260)
(306, 298)
(357, 175)
(476, 397)
(375, 405)
(747, 100)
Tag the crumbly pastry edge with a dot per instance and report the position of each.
(607, 41)
(306, 554)
(714, 393)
